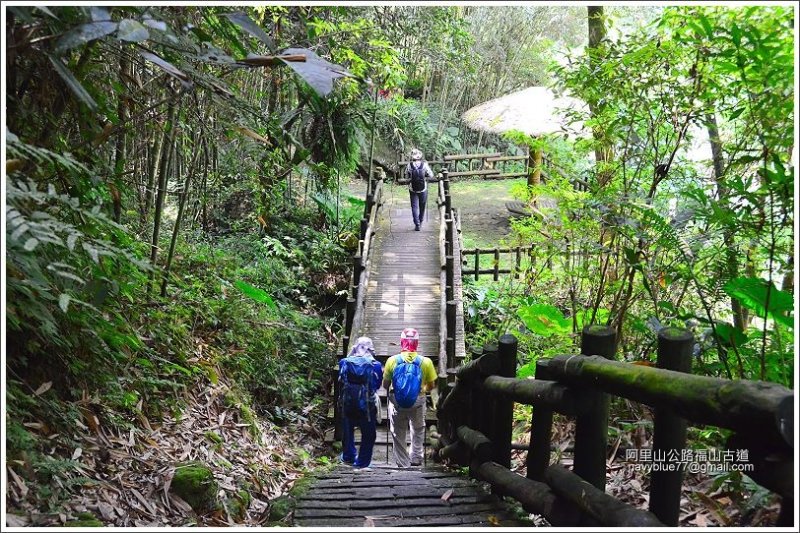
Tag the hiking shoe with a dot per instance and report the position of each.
(416, 463)
(362, 468)
(416, 228)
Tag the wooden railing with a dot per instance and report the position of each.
(354, 311)
(486, 165)
(448, 309)
(354, 314)
(515, 253)
(475, 420)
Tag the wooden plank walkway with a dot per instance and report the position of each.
(403, 289)
(391, 497)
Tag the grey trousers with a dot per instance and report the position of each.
(400, 419)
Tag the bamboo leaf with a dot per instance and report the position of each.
(248, 25)
(99, 14)
(256, 294)
(44, 387)
(317, 72)
(154, 24)
(253, 135)
(84, 34)
(74, 85)
(167, 67)
(132, 30)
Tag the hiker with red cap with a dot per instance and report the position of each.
(410, 376)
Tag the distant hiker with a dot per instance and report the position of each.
(417, 174)
(360, 377)
(410, 376)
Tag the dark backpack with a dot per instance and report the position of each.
(417, 177)
(407, 380)
(355, 375)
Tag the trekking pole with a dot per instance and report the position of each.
(425, 434)
(387, 428)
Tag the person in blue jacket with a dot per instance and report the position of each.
(366, 420)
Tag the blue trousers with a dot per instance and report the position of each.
(368, 432)
(418, 201)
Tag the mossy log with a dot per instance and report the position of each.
(534, 496)
(477, 442)
(743, 406)
(195, 483)
(604, 508)
(536, 392)
(479, 368)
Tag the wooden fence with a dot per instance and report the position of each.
(492, 165)
(514, 254)
(475, 420)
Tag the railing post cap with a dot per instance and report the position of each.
(508, 338)
(675, 334)
(596, 330)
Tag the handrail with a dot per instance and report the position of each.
(354, 311)
(361, 263)
(442, 370)
(475, 420)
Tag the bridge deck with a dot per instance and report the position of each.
(403, 289)
(391, 497)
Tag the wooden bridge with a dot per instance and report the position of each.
(403, 278)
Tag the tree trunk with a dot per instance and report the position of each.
(162, 185)
(155, 159)
(740, 319)
(603, 149)
(190, 171)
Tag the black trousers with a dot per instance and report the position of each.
(418, 201)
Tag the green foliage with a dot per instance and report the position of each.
(256, 294)
(763, 298)
(543, 319)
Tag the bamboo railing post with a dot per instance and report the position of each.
(450, 345)
(591, 427)
(477, 263)
(669, 430)
(496, 264)
(504, 408)
(485, 408)
(350, 312)
(337, 415)
(475, 402)
(449, 277)
(538, 458)
(518, 263)
(448, 235)
(358, 266)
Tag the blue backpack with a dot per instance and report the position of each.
(355, 375)
(407, 380)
